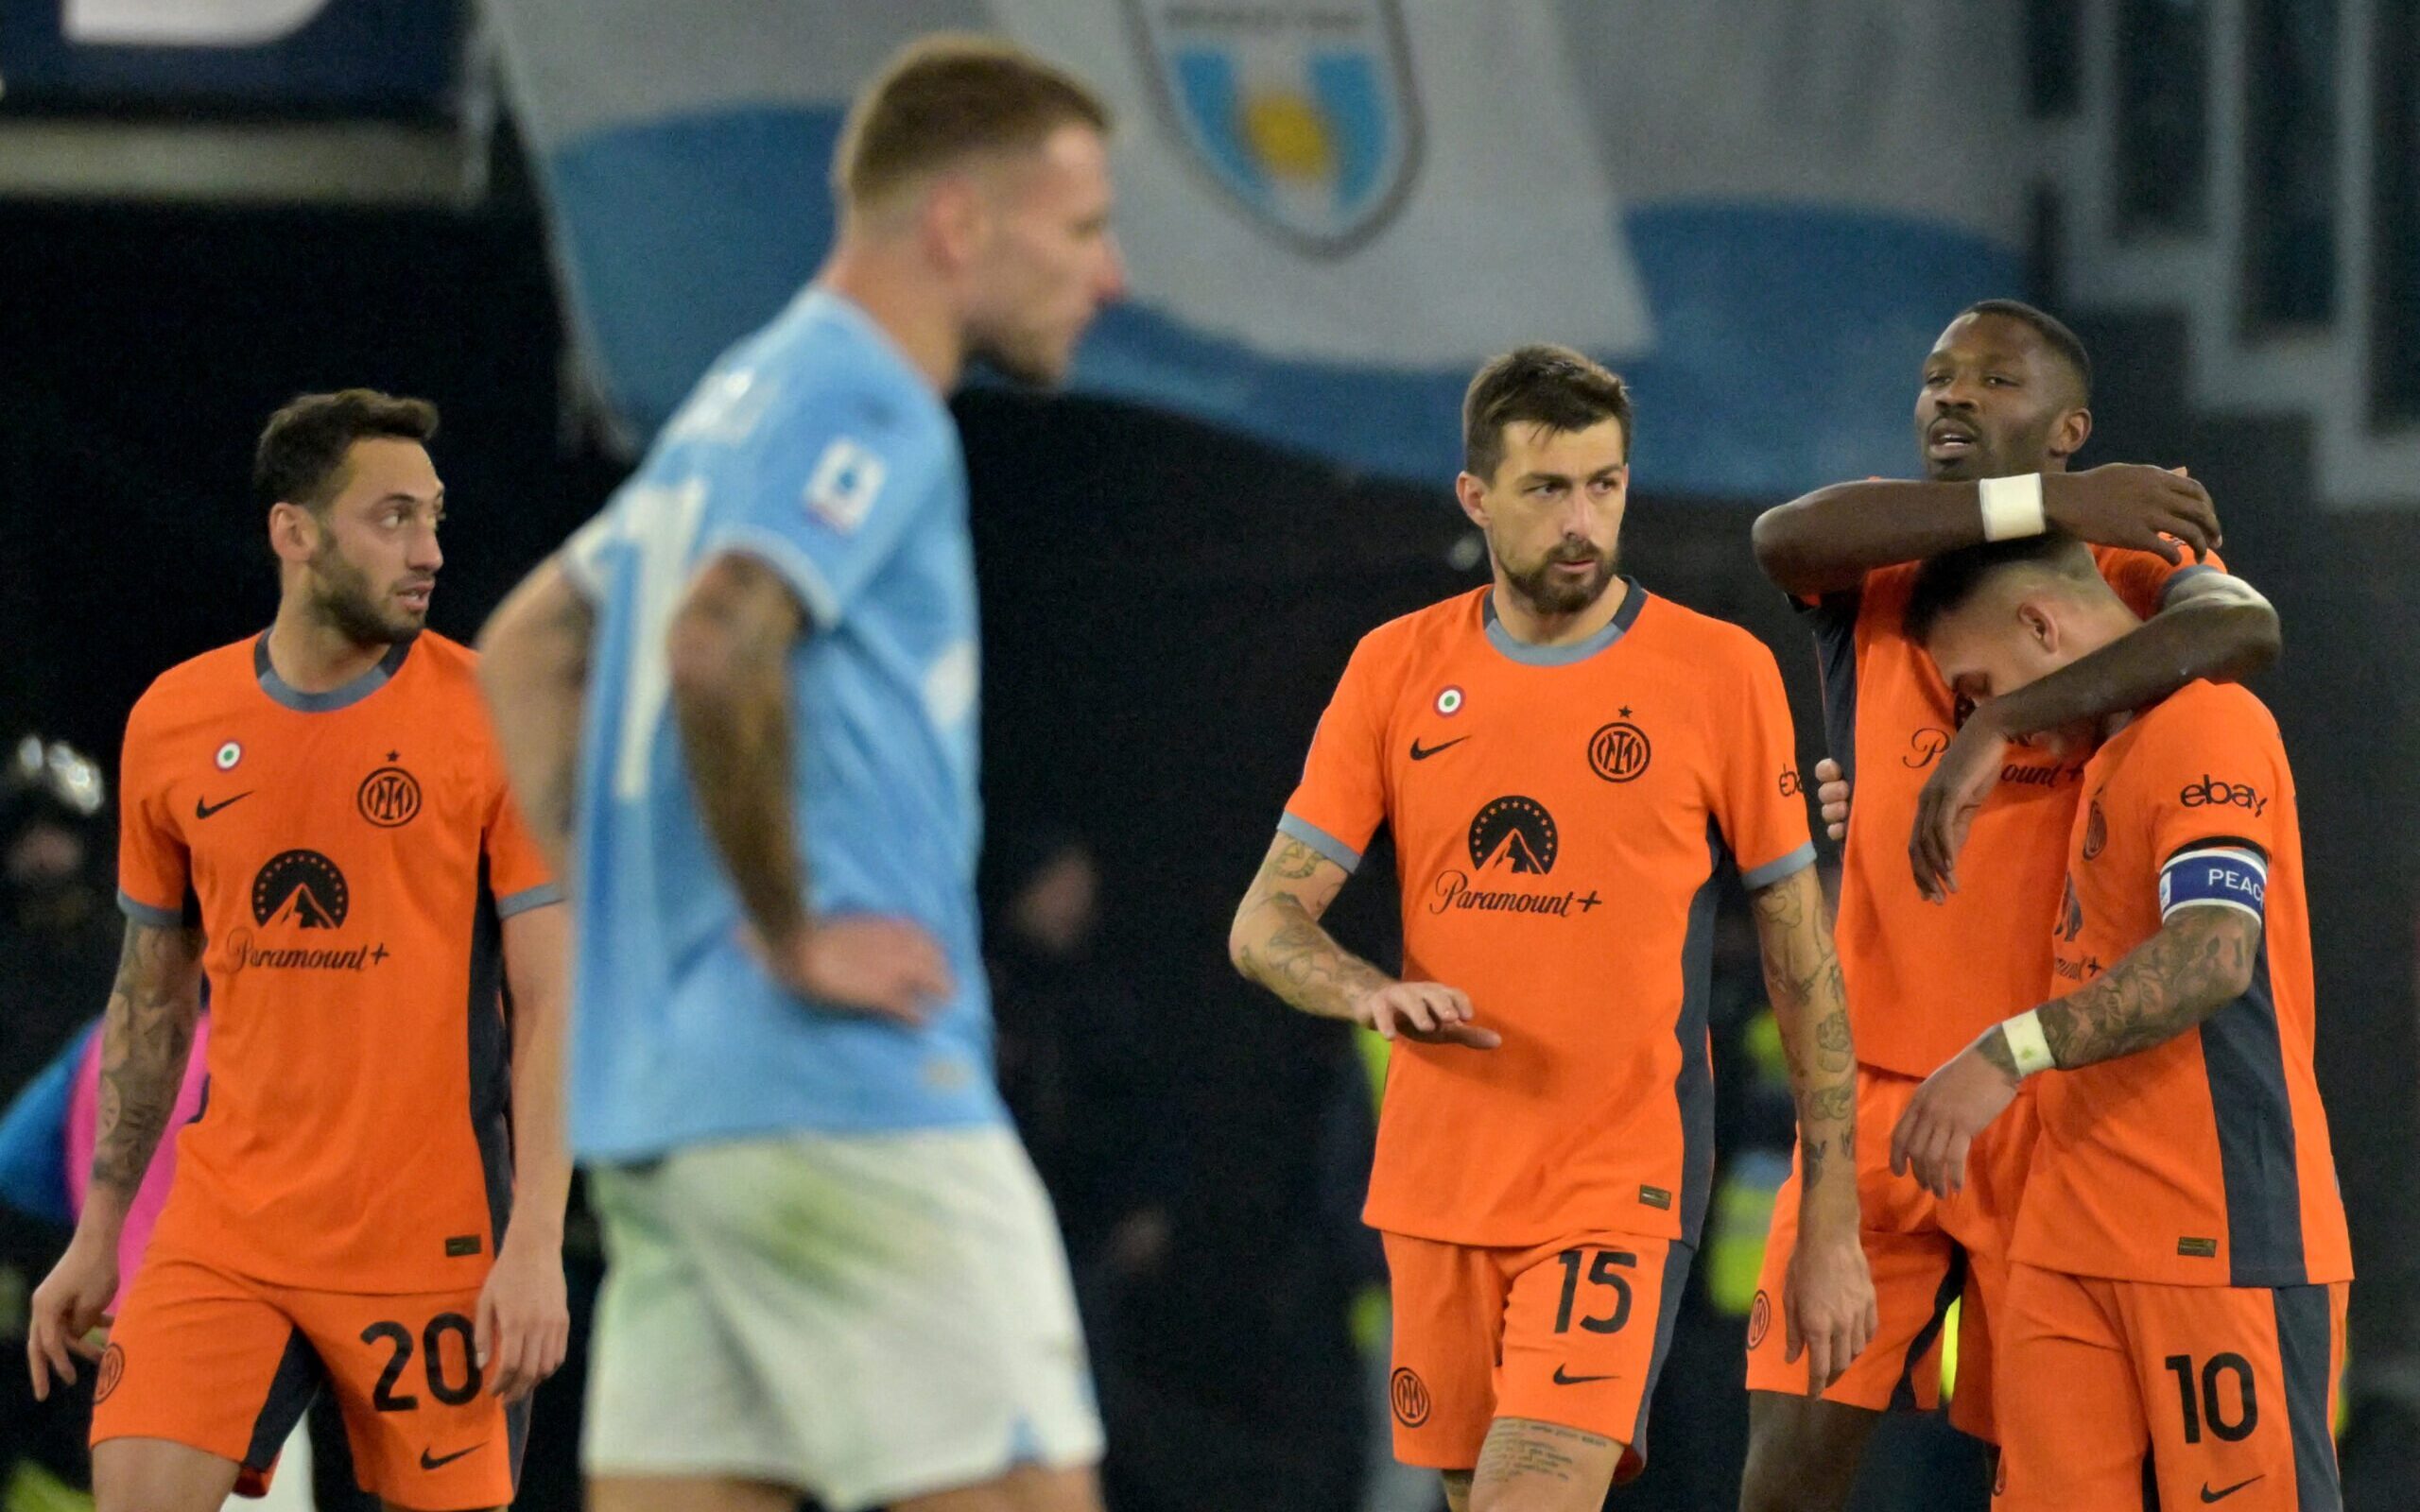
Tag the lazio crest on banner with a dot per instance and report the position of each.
(1308, 116)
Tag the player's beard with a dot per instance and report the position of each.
(341, 595)
(1547, 593)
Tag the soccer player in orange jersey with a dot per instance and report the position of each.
(372, 1200)
(1567, 763)
(2004, 394)
(2181, 1262)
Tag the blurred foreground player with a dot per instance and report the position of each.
(2181, 1263)
(832, 1269)
(2005, 393)
(1565, 761)
(371, 1201)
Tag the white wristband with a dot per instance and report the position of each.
(2012, 507)
(2027, 1044)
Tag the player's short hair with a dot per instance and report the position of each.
(1537, 384)
(945, 97)
(1946, 583)
(302, 449)
(2053, 331)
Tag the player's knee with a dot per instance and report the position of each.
(1033, 1489)
(1803, 1455)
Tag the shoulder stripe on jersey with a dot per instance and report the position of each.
(814, 589)
(2183, 574)
(1693, 1084)
(2307, 1360)
(2244, 1057)
(1321, 841)
(528, 898)
(1634, 600)
(1773, 871)
(143, 913)
(1835, 627)
(334, 698)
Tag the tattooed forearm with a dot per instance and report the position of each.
(2200, 960)
(146, 1038)
(1524, 1448)
(1277, 940)
(1811, 1006)
(730, 649)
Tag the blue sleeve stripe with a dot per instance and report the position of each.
(1773, 871)
(2220, 876)
(528, 898)
(143, 913)
(1321, 841)
(806, 580)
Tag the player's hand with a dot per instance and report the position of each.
(523, 1327)
(1954, 1104)
(2124, 504)
(1431, 1013)
(887, 968)
(1951, 797)
(71, 1302)
(1832, 798)
(1829, 1311)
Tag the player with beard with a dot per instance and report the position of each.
(372, 1202)
(1935, 950)
(1568, 762)
(834, 1270)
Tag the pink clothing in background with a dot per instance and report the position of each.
(84, 1128)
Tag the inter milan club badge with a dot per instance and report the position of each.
(388, 797)
(228, 755)
(1619, 751)
(1449, 701)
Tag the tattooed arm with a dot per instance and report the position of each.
(1277, 941)
(2200, 960)
(728, 650)
(533, 667)
(147, 1037)
(1830, 1308)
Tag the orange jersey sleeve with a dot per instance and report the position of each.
(1342, 796)
(2205, 1159)
(154, 865)
(1761, 805)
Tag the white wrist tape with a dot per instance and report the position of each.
(2012, 507)
(2027, 1044)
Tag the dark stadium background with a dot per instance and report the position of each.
(1166, 609)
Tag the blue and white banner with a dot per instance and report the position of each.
(1760, 212)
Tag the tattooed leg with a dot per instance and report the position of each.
(1528, 1466)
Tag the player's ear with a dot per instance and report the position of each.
(1472, 495)
(2041, 628)
(953, 215)
(293, 532)
(2071, 431)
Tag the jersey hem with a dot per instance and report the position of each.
(143, 913)
(635, 1152)
(1773, 871)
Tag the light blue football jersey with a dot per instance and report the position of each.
(815, 447)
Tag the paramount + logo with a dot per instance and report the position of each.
(300, 899)
(2211, 793)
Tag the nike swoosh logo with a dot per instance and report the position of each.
(429, 1462)
(1419, 754)
(1561, 1380)
(2209, 1496)
(203, 811)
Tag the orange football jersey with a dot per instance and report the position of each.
(2204, 1160)
(1559, 816)
(1926, 978)
(349, 855)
